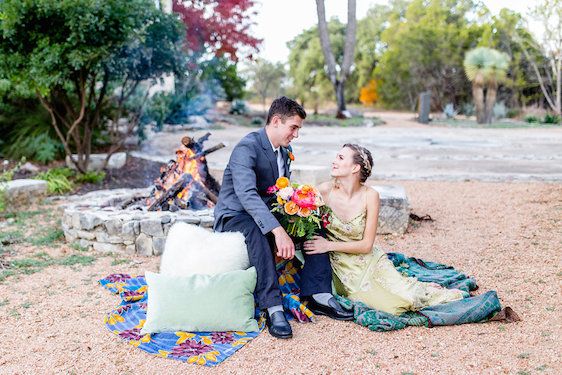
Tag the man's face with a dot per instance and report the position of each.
(284, 131)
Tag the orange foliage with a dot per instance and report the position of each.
(368, 94)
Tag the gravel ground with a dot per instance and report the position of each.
(507, 235)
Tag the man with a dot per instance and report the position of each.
(244, 206)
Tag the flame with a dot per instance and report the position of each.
(184, 164)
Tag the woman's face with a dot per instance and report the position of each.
(343, 164)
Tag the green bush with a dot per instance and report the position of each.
(57, 180)
(551, 119)
(532, 119)
(513, 112)
(258, 121)
(91, 177)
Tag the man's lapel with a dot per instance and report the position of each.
(269, 152)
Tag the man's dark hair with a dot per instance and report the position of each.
(284, 108)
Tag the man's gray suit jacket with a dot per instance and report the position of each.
(251, 170)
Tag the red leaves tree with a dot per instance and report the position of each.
(218, 26)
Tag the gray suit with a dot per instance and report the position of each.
(252, 169)
(244, 206)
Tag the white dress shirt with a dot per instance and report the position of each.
(280, 161)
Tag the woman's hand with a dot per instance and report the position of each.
(318, 245)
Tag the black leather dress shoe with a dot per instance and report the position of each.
(278, 325)
(334, 310)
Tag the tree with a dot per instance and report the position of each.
(266, 78)
(223, 72)
(503, 32)
(549, 12)
(219, 27)
(485, 68)
(68, 53)
(309, 80)
(348, 55)
(425, 44)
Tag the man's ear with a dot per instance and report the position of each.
(275, 120)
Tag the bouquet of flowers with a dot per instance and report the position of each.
(301, 208)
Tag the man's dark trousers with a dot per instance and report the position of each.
(315, 277)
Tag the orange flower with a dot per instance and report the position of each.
(291, 156)
(282, 182)
(305, 189)
(304, 212)
(291, 208)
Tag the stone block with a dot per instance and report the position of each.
(143, 245)
(114, 227)
(207, 222)
(85, 243)
(88, 221)
(70, 235)
(24, 192)
(394, 212)
(130, 249)
(85, 234)
(158, 244)
(116, 161)
(104, 237)
(189, 220)
(151, 227)
(108, 247)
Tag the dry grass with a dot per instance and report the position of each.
(507, 235)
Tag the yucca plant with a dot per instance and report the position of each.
(485, 68)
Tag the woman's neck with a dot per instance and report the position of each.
(348, 186)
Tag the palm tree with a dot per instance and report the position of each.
(485, 68)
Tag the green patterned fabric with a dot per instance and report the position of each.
(475, 309)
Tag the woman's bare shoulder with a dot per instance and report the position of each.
(372, 194)
(324, 187)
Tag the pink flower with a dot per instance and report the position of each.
(306, 200)
(272, 189)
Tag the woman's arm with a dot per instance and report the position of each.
(321, 245)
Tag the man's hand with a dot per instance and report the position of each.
(285, 246)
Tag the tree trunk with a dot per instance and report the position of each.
(478, 96)
(491, 93)
(340, 100)
(348, 54)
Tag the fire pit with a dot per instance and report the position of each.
(138, 220)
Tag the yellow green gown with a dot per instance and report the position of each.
(372, 279)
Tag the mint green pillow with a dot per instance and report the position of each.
(197, 303)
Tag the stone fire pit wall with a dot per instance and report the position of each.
(97, 220)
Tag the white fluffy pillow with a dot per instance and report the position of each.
(193, 250)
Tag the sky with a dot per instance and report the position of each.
(279, 21)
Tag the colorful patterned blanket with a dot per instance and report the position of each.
(211, 348)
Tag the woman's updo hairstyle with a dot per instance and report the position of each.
(363, 158)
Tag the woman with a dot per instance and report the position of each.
(361, 271)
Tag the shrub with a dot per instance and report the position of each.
(238, 107)
(449, 111)
(551, 119)
(258, 121)
(467, 109)
(513, 112)
(57, 180)
(91, 177)
(499, 111)
(532, 119)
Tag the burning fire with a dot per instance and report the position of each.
(185, 182)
